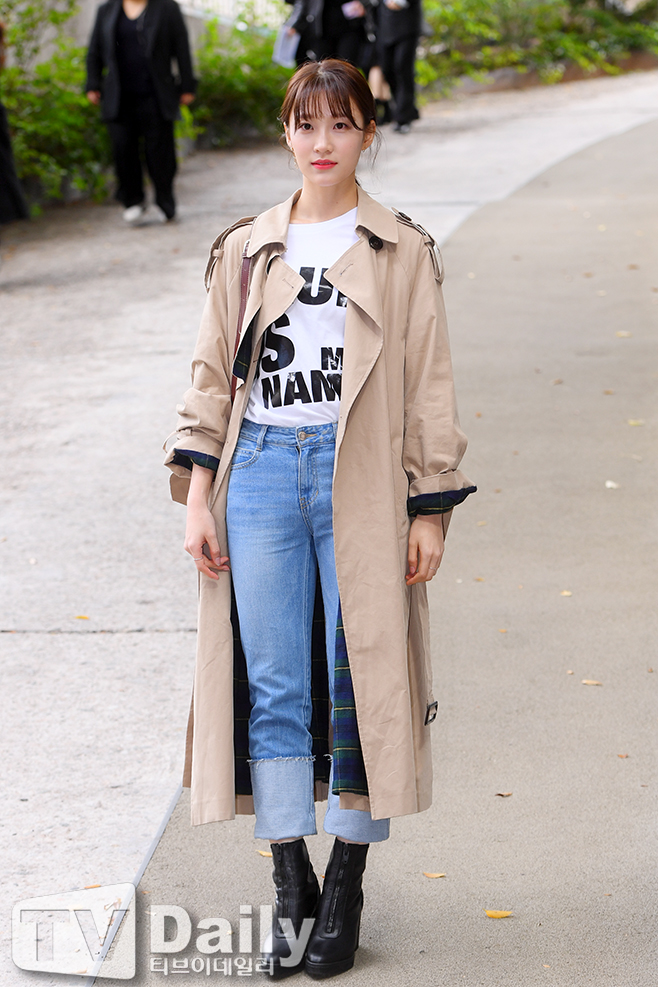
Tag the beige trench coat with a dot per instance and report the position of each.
(398, 437)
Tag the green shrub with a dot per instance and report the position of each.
(240, 88)
(473, 37)
(58, 140)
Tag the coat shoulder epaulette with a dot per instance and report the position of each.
(218, 245)
(428, 240)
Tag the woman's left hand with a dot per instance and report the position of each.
(426, 545)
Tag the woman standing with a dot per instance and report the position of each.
(328, 483)
(129, 73)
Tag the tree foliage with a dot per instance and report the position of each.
(473, 37)
(240, 88)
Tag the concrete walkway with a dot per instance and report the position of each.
(98, 323)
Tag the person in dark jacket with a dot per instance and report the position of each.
(12, 203)
(129, 73)
(334, 29)
(398, 33)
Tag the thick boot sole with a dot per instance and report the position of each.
(320, 971)
(282, 972)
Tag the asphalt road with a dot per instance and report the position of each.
(552, 300)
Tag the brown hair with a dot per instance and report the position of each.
(330, 83)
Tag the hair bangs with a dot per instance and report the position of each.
(324, 95)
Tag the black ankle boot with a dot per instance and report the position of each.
(297, 897)
(335, 936)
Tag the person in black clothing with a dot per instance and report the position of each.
(334, 29)
(129, 74)
(398, 33)
(12, 203)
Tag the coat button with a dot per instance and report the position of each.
(375, 243)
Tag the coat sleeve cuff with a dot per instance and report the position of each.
(187, 458)
(189, 446)
(439, 493)
(437, 503)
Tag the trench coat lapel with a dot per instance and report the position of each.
(355, 275)
(282, 285)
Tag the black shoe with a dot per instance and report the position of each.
(297, 897)
(335, 936)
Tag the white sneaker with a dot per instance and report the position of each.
(133, 214)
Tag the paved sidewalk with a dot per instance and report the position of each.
(97, 326)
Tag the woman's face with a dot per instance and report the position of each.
(327, 148)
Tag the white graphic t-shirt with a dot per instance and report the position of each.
(299, 373)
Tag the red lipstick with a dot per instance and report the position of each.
(323, 163)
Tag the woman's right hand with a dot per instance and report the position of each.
(200, 529)
(94, 96)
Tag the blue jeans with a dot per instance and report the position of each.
(280, 532)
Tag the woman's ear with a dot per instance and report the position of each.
(369, 135)
(287, 133)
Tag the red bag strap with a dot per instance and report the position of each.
(244, 291)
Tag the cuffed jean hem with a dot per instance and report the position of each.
(353, 824)
(283, 797)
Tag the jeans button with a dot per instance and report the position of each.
(301, 435)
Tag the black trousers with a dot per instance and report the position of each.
(140, 123)
(398, 63)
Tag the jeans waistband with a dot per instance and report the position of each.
(290, 435)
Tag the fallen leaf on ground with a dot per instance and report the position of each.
(649, 669)
(590, 682)
(611, 485)
(546, 966)
(608, 391)
(81, 616)
(622, 755)
(631, 421)
(493, 913)
(558, 380)
(481, 524)
(633, 267)
(265, 853)
(478, 414)
(478, 579)
(504, 795)
(502, 630)
(623, 334)
(566, 592)
(432, 875)
(569, 672)
(89, 886)
(588, 274)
